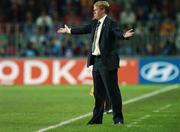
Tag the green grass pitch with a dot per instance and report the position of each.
(30, 108)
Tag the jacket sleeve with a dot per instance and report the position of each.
(116, 31)
(81, 30)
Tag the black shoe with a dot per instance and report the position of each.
(94, 122)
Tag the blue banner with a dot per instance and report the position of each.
(159, 70)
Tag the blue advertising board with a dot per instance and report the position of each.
(153, 70)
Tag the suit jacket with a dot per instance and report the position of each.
(107, 43)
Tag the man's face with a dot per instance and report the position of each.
(98, 13)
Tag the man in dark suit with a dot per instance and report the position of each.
(105, 60)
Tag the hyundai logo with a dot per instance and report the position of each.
(159, 72)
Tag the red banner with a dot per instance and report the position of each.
(64, 71)
(128, 71)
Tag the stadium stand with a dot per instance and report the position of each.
(28, 28)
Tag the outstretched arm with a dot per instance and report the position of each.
(79, 30)
(117, 32)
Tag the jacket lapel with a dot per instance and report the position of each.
(92, 33)
(102, 30)
(93, 29)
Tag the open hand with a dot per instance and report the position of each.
(66, 29)
(128, 33)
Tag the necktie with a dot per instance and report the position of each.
(95, 36)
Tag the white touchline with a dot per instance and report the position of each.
(138, 120)
(162, 108)
(168, 88)
(147, 116)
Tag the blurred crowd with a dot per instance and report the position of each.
(28, 27)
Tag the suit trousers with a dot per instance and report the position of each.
(106, 84)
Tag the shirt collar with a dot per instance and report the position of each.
(102, 19)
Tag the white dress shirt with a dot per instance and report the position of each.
(97, 51)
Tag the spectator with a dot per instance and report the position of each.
(178, 18)
(44, 21)
(154, 16)
(32, 6)
(72, 19)
(39, 41)
(168, 48)
(15, 13)
(30, 51)
(55, 47)
(29, 26)
(141, 15)
(177, 40)
(154, 22)
(4, 38)
(127, 16)
(115, 9)
(19, 40)
(167, 28)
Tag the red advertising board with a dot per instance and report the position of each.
(128, 71)
(63, 71)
